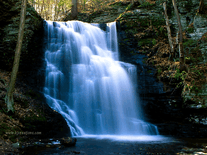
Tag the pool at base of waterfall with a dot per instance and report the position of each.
(122, 145)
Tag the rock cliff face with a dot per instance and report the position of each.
(141, 35)
(162, 103)
(31, 70)
(32, 55)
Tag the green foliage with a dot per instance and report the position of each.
(129, 7)
(144, 42)
(180, 75)
(121, 15)
(149, 71)
(145, 5)
(189, 42)
(34, 118)
(132, 31)
(154, 42)
(159, 2)
(187, 58)
(190, 30)
(144, 22)
(197, 72)
(65, 2)
(161, 29)
(157, 21)
(5, 128)
(159, 71)
(3, 110)
(191, 59)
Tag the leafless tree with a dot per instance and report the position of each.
(74, 12)
(9, 96)
(180, 43)
(169, 31)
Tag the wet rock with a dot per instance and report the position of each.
(162, 103)
(68, 141)
(76, 152)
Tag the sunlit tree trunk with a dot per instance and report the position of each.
(63, 8)
(180, 43)
(46, 9)
(84, 4)
(55, 18)
(56, 10)
(74, 12)
(42, 8)
(51, 10)
(9, 96)
(38, 6)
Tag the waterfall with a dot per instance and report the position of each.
(86, 83)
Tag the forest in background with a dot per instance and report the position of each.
(56, 10)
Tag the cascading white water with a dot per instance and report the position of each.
(87, 84)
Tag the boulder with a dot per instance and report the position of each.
(68, 141)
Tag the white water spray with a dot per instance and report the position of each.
(87, 84)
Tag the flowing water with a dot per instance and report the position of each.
(88, 85)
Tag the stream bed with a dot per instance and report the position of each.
(144, 145)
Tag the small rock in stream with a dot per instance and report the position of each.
(68, 141)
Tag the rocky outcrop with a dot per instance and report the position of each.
(162, 103)
(31, 70)
(48, 124)
(31, 61)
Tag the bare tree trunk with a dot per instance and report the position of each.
(42, 8)
(38, 6)
(51, 11)
(48, 11)
(9, 96)
(132, 2)
(181, 52)
(63, 8)
(74, 12)
(56, 9)
(84, 5)
(201, 6)
(169, 32)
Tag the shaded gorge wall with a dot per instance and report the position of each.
(162, 103)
